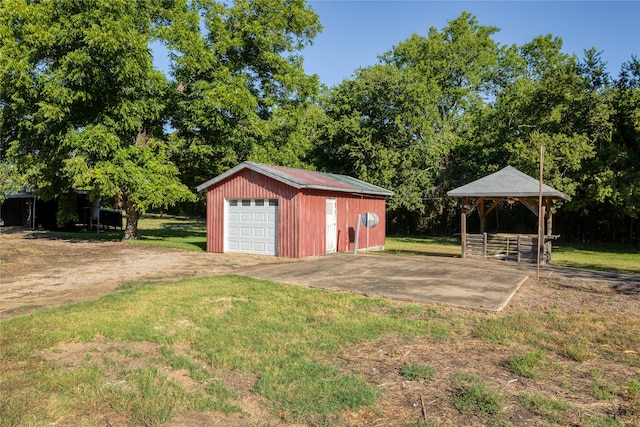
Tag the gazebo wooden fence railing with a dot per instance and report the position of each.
(516, 247)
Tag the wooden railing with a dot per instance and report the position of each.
(516, 247)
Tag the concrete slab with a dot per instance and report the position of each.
(452, 281)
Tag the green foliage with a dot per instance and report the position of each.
(394, 124)
(83, 107)
(240, 90)
(451, 106)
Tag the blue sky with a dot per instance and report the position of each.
(356, 32)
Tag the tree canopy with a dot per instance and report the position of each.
(446, 108)
(240, 88)
(82, 107)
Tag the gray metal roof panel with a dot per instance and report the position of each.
(304, 179)
(507, 182)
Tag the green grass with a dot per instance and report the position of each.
(285, 339)
(578, 337)
(154, 230)
(432, 246)
(617, 260)
(282, 334)
(417, 372)
(472, 395)
(173, 232)
(527, 364)
(548, 407)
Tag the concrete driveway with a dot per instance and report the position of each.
(453, 281)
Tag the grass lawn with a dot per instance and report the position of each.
(431, 246)
(155, 230)
(286, 334)
(616, 260)
(147, 353)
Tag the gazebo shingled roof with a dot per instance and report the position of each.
(507, 182)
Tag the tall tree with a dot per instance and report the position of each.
(379, 130)
(241, 91)
(396, 123)
(612, 178)
(82, 105)
(546, 101)
(627, 135)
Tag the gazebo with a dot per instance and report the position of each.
(485, 195)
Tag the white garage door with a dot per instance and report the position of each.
(252, 226)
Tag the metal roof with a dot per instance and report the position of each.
(304, 179)
(507, 182)
(22, 194)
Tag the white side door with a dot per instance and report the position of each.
(332, 225)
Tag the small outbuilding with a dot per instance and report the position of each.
(263, 209)
(508, 185)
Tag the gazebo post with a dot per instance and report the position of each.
(463, 226)
(482, 215)
(549, 216)
(541, 234)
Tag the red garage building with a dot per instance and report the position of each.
(272, 210)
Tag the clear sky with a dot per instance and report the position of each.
(356, 32)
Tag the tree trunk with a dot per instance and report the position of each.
(131, 230)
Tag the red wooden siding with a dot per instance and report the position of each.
(313, 222)
(301, 215)
(348, 210)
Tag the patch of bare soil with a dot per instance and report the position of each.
(38, 270)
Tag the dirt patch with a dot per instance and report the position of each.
(38, 270)
(129, 356)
